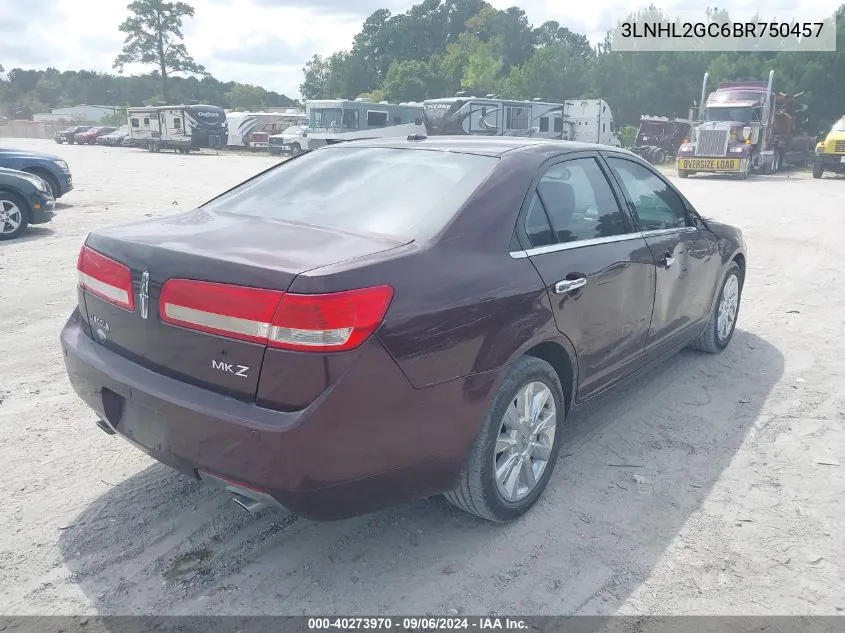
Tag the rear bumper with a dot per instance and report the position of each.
(370, 441)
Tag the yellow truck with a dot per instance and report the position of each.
(830, 153)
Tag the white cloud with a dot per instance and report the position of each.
(267, 42)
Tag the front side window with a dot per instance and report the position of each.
(656, 205)
(135, 123)
(578, 202)
(400, 192)
(325, 117)
(177, 123)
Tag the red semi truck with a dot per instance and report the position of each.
(744, 127)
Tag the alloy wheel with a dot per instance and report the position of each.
(728, 306)
(10, 217)
(525, 440)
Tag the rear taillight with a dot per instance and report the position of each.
(105, 278)
(322, 323)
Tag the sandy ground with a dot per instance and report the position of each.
(712, 485)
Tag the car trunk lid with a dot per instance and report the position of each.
(207, 330)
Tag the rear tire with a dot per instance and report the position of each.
(513, 448)
(715, 336)
(818, 171)
(15, 215)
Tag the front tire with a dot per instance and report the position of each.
(14, 216)
(722, 322)
(818, 171)
(683, 173)
(517, 447)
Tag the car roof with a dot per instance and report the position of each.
(488, 146)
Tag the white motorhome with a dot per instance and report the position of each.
(180, 127)
(586, 120)
(337, 120)
(254, 129)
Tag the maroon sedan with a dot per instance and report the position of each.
(91, 135)
(381, 320)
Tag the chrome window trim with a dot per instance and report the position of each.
(624, 237)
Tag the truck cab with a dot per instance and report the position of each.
(830, 152)
(742, 127)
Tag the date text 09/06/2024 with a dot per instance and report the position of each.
(674, 30)
(426, 623)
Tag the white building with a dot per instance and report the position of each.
(86, 113)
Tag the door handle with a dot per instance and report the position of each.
(568, 285)
(668, 259)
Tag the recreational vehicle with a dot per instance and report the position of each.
(180, 127)
(336, 120)
(587, 120)
(254, 129)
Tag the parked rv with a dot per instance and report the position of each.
(337, 120)
(179, 127)
(293, 141)
(586, 120)
(254, 129)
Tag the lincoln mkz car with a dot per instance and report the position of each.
(383, 320)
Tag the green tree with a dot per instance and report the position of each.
(153, 36)
(553, 73)
(246, 96)
(316, 74)
(410, 80)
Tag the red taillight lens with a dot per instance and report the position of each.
(234, 311)
(105, 278)
(327, 322)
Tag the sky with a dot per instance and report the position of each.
(267, 42)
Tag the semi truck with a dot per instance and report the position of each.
(744, 127)
(659, 137)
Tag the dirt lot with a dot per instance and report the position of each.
(712, 485)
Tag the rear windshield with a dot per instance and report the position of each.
(399, 192)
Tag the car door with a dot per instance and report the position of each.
(685, 253)
(597, 269)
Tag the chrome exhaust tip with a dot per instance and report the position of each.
(250, 505)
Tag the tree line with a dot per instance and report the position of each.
(434, 49)
(439, 47)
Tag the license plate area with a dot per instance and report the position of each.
(144, 427)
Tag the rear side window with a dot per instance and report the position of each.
(578, 202)
(376, 119)
(656, 205)
(402, 192)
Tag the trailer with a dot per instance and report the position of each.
(253, 129)
(183, 128)
(586, 120)
(744, 127)
(659, 137)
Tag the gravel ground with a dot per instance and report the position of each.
(713, 485)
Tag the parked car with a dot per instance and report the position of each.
(89, 137)
(24, 199)
(67, 135)
(387, 319)
(114, 138)
(47, 166)
(293, 141)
